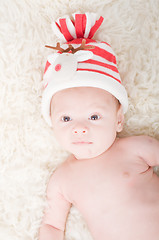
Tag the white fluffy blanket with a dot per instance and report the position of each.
(28, 150)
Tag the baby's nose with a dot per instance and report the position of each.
(80, 130)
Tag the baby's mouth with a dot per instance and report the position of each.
(82, 143)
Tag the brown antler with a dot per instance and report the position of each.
(59, 48)
(71, 48)
(82, 47)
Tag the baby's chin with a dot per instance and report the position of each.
(84, 150)
(87, 154)
(87, 150)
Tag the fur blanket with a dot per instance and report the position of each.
(29, 152)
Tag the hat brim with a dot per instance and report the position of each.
(84, 79)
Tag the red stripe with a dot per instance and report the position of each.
(95, 27)
(78, 25)
(96, 50)
(113, 68)
(106, 43)
(46, 66)
(97, 71)
(58, 26)
(84, 23)
(79, 41)
(65, 30)
(104, 54)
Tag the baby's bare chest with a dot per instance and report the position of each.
(117, 197)
(108, 185)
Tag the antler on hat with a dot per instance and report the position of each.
(81, 61)
(71, 48)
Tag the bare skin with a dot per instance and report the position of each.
(119, 189)
(114, 187)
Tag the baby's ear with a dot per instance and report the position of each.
(52, 57)
(120, 119)
(83, 55)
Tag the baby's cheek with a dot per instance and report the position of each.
(106, 136)
(63, 138)
(58, 133)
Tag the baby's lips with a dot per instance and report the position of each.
(82, 142)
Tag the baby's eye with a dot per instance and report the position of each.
(94, 117)
(66, 119)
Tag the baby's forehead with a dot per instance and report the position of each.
(82, 98)
(91, 94)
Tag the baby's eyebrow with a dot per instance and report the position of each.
(57, 112)
(93, 107)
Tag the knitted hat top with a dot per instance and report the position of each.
(80, 61)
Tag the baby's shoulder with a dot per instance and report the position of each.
(135, 140)
(134, 144)
(62, 172)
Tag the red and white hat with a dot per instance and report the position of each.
(80, 61)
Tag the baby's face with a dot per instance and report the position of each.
(85, 120)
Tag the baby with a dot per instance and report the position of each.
(109, 179)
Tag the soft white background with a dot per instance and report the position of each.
(28, 150)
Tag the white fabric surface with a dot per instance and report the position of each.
(28, 150)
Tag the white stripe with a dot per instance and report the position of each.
(98, 68)
(103, 46)
(90, 21)
(57, 31)
(95, 57)
(103, 60)
(71, 28)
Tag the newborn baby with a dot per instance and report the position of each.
(109, 180)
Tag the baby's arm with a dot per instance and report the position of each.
(53, 224)
(146, 148)
(48, 232)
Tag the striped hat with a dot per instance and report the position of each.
(80, 61)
